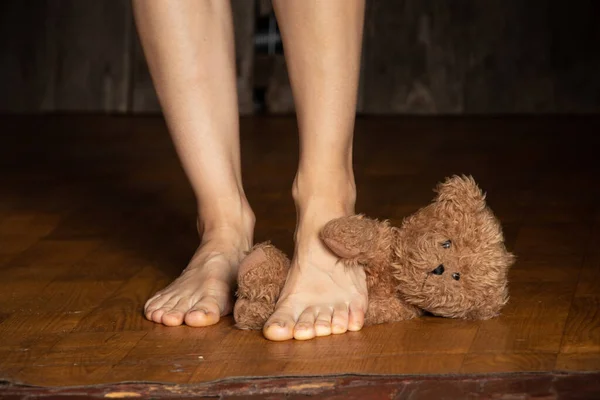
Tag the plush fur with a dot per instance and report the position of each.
(261, 276)
(448, 259)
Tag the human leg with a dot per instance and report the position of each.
(190, 52)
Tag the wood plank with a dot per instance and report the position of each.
(170, 371)
(14, 293)
(555, 239)
(123, 310)
(547, 268)
(22, 350)
(533, 320)
(589, 279)
(68, 375)
(519, 335)
(425, 335)
(87, 348)
(41, 323)
(536, 385)
(508, 362)
(409, 364)
(107, 263)
(581, 332)
(53, 253)
(71, 296)
(592, 247)
(12, 245)
(539, 299)
(578, 362)
(557, 201)
(30, 224)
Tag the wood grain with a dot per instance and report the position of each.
(589, 280)
(578, 362)
(508, 362)
(581, 333)
(91, 230)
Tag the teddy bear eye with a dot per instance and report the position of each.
(447, 244)
(456, 276)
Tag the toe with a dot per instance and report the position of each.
(280, 326)
(339, 321)
(356, 317)
(305, 327)
(154, 304)
(157, 314)
(323, 322)
(167, 306)
(205, 312)
(174, 317)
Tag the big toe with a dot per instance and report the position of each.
(279, 327)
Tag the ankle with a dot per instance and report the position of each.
(226, 217)
(325, 190)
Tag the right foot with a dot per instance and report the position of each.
(320, 297)
(204, 290)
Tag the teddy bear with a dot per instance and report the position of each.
(448, 259)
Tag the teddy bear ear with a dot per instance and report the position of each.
(461, 192)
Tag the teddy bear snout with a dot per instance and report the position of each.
(439, 270)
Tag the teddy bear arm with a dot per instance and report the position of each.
(391, 309)
(357, 239)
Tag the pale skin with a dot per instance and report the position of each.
(189, 48)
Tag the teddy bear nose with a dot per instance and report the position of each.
(439, 270)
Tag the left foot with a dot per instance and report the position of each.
(321, 296)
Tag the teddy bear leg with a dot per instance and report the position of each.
(261, 277)
(390, 309)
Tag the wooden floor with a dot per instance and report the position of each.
(96, 215)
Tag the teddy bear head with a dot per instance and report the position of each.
(450, 258)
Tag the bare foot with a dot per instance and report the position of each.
(321, 296)
(203, 291)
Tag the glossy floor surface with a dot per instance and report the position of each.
(96, 215)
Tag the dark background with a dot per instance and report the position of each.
(420, 57)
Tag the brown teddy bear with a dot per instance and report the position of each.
(448, 259)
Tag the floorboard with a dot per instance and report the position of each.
(96, 215)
